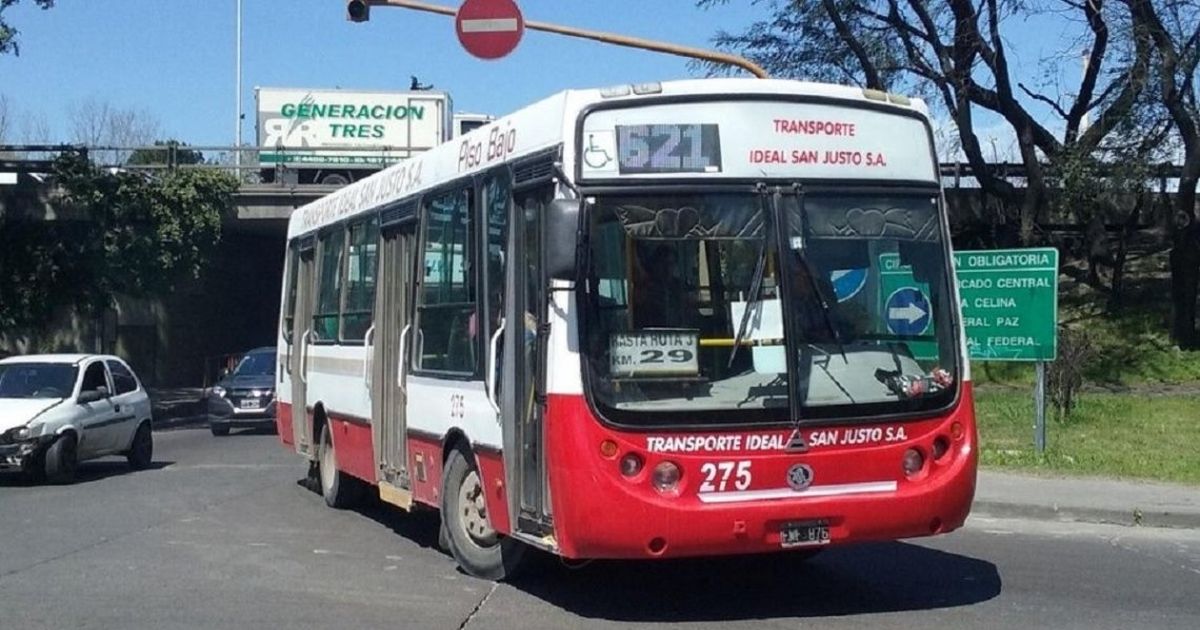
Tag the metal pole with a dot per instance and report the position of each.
(1039, 409)
(600, 36)
(237, 151)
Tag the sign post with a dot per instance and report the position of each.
(489, 29)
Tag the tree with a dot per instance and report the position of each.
(1174, 29)
(173, 153)
(8, 34)
(135, 235)
(5, 119)
(955, 53)
(99, 123)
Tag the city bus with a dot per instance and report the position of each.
(689, 318)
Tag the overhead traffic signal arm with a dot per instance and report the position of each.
(360, 11)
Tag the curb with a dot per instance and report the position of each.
(1132, 518)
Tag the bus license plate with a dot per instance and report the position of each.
(250, 404)
(804, 534)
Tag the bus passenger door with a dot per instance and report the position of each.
(393, 340)
(305, 294)
(524, 383)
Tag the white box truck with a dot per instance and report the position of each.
(322, 136)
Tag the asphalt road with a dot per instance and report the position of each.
(221, 534)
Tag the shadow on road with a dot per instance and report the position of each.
(852, 580)
(875, 578)
(420, 525)
(87, 472)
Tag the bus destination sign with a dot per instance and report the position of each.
(663, 148)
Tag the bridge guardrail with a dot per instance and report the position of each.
(38, 158)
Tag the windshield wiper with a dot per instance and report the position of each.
(826, 310)
(752, 300)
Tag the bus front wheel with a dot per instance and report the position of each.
(477, 547)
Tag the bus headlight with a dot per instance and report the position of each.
(631, 464)
(914, 461)
(666, 477)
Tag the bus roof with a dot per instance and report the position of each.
(543, 125)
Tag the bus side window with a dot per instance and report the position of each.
(327, 317)
(446, 302)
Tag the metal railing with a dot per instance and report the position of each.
(39, 158)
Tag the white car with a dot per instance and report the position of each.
(57, 410)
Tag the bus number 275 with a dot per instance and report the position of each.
(719, 475)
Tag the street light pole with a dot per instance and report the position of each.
(599, 36)
(237, 143)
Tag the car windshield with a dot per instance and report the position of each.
(256, 364)
(37, 380)
(686, 307)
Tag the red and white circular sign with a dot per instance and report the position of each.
(489, 29)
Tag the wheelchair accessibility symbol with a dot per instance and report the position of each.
(595, 156)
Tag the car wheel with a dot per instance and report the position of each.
(339, 489)
(477, 547)
(35, 467)
(219, 430)
(62, 459)
(141, 453)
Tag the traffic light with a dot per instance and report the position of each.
(358, 10)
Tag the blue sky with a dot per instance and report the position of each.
(175, 58)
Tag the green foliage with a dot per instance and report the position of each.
(173, 153)
(8, 34)
(118, 232)
(1148, 436)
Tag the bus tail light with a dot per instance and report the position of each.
(914, 461)
(666, 477)
(631, 464)
(608, 449)
(956, 430)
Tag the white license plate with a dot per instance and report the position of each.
(249, 404)
(654, 353)
(805, 534)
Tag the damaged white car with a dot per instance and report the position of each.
(58, 410)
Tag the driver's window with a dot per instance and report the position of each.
(94, 377)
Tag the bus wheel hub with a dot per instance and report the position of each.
(474, 510)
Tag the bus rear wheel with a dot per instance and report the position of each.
(474, 543)
(339, 490)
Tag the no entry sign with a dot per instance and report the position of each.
(489, 29)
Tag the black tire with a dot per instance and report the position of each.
(443, 541)
(219, 430)
(335, 179)
(35, 467)
(141, 452)
(340, 490)
(62, 459)
(480, 553)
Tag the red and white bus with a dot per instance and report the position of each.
(682, 319)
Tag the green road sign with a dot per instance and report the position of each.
(1009, 301)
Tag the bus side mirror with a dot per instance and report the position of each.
(561, 243)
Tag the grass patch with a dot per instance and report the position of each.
(1112, 435)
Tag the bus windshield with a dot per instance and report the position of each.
(694, 302)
